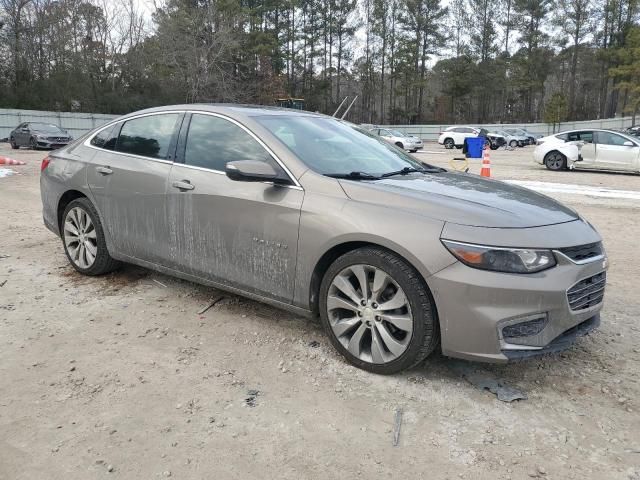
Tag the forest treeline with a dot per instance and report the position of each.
(408, 61)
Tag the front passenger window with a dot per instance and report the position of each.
(606, 138)
(214, 141)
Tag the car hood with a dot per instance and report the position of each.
(463, 199)
(50, 134)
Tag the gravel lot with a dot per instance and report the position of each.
(120, 377)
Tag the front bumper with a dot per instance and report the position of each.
(475, 306)
(52, 144)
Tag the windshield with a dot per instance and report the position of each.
(328, 146)
(45, 127)
(396, 133)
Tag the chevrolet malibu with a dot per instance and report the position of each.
(304, 212)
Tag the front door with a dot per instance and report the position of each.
(128, 178)
(242, 234)
(613, 154)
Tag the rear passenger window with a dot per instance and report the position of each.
(106, 138)
(148, 136)
(214, 141)
(586, 137)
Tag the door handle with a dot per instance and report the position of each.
(183, 185)
(104, 170)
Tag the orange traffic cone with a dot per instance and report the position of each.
(10, 161)
(486, 164)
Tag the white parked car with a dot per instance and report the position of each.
(590, 150)
(406, 142)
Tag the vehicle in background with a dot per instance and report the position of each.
(589, 149)
(37, 135)
(496, 139)
(635, 131)
(453, 137)
(299, 210)
(406, 142)
(532, 137)
(514, 140)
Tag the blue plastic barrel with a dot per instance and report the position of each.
(475, 145)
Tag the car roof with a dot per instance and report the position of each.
(232, 110)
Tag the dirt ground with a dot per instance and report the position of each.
(120, 377)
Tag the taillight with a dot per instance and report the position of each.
(45, 163)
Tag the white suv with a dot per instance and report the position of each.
(454, 136)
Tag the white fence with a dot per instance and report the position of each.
(75, 123)
(431, 132)
(79, 123)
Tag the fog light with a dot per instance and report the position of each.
(527, 328)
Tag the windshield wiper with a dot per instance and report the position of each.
(407, 170)
(353, 176)
(404, 171)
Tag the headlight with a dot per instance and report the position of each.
(498, 259)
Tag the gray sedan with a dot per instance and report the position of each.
(37, 135)
(301, 211)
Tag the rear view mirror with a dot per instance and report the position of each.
(253, 171)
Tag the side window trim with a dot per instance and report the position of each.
(182, 139)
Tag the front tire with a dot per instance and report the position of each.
(449, 143)
(33, 144)
(513, 143)
(555, 161)
(83, 239)
(377, 311)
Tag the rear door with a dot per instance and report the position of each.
(613, 154)
(128, 178)
(588, 148)
(242, 234)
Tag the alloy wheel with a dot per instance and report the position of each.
(555, 161)
(369, 314)
(80, 238)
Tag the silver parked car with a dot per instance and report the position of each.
(299, 210)
(406, 142)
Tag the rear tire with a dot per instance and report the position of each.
(401, 331)
(83, 238)
(513, 143)
(12, 142)
(400, 145)
(449, 143)
(555, 161)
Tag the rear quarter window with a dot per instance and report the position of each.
(106, 138)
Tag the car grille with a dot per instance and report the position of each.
(583, 252)
(587, 293)
(57, 139)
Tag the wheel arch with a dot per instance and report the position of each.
(336, 251)
(66, 198)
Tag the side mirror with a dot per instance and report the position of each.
(629, 144)
(253, 171)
